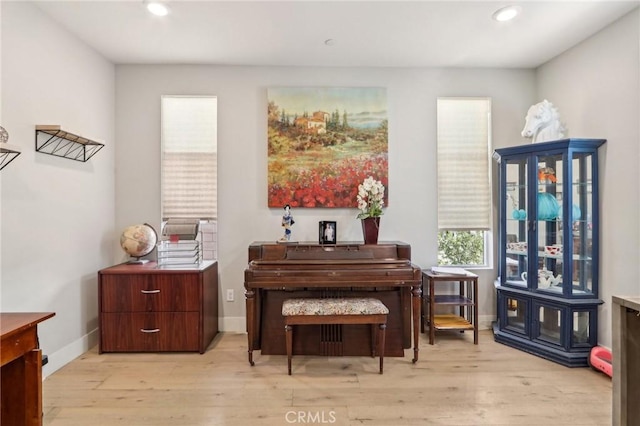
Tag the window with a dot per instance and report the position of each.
(189, 163)
(464, 181)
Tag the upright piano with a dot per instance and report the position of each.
(279, 271)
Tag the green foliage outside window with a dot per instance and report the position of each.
(461, 248)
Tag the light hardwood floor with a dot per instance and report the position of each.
(453, 383)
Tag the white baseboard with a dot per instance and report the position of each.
(485, 322)
(233, 324)
(61, 357)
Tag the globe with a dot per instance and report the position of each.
(138, 241)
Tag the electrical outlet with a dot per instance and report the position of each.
(230, 296)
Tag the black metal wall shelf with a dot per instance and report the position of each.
(50, 139)
(7, 155)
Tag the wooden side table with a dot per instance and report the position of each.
(21, 373)
(466, 300)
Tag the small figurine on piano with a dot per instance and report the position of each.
(287, 222)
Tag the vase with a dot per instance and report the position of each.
(370, 227)
(547, 206)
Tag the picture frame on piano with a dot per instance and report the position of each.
(327, 232)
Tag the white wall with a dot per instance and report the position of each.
(596, 87)
(242, 154)
(57, 226)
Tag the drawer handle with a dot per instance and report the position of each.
(149, 291)
(155, 330)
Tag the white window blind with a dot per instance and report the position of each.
(464, 184)
(189, 157)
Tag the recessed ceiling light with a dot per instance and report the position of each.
(506, 13)
(157, 8)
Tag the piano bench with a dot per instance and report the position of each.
(336, 311)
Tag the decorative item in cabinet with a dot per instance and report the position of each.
(50, 139)
(547, 286)
(179, 253)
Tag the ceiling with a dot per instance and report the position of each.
(364, 33)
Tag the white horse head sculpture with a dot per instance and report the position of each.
(543, 123)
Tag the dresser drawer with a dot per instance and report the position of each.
(150, 332)
(150, 293)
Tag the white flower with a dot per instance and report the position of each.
(370, 198)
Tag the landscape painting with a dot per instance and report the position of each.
(323, 142)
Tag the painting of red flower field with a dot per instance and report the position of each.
(323, 142)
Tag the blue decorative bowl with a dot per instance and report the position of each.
(576, 213)
(547, 206)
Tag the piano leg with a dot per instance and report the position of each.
(250, 301)
(416, 292)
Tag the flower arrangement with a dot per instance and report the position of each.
(370, 198)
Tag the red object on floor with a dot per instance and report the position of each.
(600, 359)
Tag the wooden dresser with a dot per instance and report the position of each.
(146, 308)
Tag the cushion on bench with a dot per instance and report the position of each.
(340, 306)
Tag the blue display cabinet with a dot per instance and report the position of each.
(548, 251)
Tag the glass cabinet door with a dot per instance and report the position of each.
(548, 323)
(517, 212)
(516, 319)
(548, 225)
(580, 211)
(581, 328)
(564, 219)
